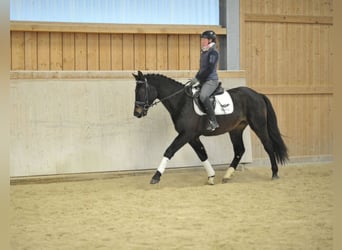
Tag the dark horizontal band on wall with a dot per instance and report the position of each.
(113, 28)
(328, 20)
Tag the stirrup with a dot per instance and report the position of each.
(212, 125)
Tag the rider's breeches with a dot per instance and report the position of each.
(207, 89)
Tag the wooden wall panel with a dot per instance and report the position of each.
(194, 53)
(295, 54)
(151, 51)
(43, 51)
(128, 52)
(69, 51)
(274, 50)
(162, 52)
(92, 58)
(117, 51)
(80, 51)
(305, 122)
(173, 52)
(105, 52)
(184, 52)
(139, 52)
(31, 59)
(18, 50)
(56, 51)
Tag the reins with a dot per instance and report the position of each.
(172, 95)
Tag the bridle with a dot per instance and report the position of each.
(145, 104)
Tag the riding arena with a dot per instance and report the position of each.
(109, 141)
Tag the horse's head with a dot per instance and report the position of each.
(145, 94)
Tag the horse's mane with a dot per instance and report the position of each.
(165, 77)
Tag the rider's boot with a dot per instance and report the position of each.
(211, 116)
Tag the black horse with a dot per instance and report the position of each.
(250, 108)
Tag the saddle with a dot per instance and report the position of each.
(218, 91)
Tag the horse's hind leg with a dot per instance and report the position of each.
(262, 133)
(198, 147)
(239, 150)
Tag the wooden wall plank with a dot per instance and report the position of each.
(162, 52)
(18, 50)
(128, 52)
(43, 51)
(327, 54)
(184, 52)
(80, 51)
(327, 131)
(31, 56)
(243, 42)
(139, 52)
(68, 51)
(195, 50)
(151, 51)
(105, 52)
(56, 51)
(117, 51)
(93, 52)
(173, 52)
(316, 55)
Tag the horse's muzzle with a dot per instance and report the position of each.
(139, 111)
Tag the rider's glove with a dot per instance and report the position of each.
(194, 82)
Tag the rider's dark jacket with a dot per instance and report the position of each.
(208, 62)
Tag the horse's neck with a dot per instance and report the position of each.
(166, 89)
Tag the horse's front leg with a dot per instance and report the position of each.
(197, 145)
(177, 143)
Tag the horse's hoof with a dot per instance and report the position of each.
(155, 178)
(211, 180)
(228, 175)
(275, 177)
(154, 181)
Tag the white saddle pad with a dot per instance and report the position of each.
(224, 104)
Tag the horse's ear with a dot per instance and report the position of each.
(141, 75)
(135, 76)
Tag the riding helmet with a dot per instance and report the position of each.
(209, 34)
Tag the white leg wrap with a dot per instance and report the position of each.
(208, 168)
(162, 165)
(229, 173)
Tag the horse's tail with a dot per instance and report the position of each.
(279, 147)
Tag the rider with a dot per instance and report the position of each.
(207, 75)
